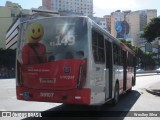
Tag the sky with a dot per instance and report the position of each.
(101, 7)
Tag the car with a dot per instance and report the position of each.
(158, 70)
(139, 70)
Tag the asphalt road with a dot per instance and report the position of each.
(137, 100)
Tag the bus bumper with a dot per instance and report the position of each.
(74, 96)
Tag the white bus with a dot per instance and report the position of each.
(71, 60)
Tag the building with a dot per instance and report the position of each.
(46, 4)
(100, 21)
(137, 20)
(5, 21)
(8, 14)
(108, 22)
(12, 34)
(129, 25)
(117, 19)
(80, 7)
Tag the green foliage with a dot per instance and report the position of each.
(126, 42)
(152, 30)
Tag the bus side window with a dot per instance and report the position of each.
(121, 59)
(130, 60)
(115, 56)
(98, 47)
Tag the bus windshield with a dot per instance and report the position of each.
(52, 39)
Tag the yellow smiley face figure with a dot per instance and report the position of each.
(35, 33)
(34, 52)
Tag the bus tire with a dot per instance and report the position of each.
(116, 94)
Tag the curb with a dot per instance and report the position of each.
(153, 92)
(143, 72)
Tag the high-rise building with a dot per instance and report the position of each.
(129, 25)
(82, 7)
(108, 22)
(47, 4)
(137, 20)
(117, 19)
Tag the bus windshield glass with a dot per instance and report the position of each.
(52, 39)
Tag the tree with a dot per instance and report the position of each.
(152, 30)
(144, 60)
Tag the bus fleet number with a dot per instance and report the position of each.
(66, 40)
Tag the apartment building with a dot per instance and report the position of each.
(137, 21)
(130, 24)
(108, 22)
(80, 7)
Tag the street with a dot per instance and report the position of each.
(137, 100)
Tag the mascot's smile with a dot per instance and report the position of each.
(35, 38)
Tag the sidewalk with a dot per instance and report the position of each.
(154, 89)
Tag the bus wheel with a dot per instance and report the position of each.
(116, 95)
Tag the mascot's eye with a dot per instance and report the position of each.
(39, 30)
(33, 30)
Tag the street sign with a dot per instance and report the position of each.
(148, 47)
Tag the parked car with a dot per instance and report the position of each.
(158, 70)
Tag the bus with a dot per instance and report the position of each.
(72, 60)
